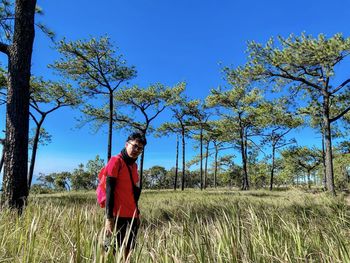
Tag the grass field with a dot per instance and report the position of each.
(190, 226)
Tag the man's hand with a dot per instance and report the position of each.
(109, 226)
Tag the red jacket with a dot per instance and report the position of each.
(124, 203)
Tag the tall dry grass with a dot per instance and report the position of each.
(190, 226)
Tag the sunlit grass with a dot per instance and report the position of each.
(191, 226)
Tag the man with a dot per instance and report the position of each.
(122, 192)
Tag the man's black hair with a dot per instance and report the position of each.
(139, 137)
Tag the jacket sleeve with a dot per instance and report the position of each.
(110, 188)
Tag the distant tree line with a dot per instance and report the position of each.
(295, 167)
(84, 177)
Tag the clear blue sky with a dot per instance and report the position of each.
(168, 42)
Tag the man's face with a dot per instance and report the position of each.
(133, 148)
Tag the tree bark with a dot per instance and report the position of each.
(201, 156)
(216, 164)
(2, 159)
(273, 167)
(324, 162)
(17, 115)
(177, 162)
(141, 166)
(35, 147)
(206, 165)
(110, 126)
(309, 179)
(245, 184)
(3, 154)
(328, 144)
(183, 160)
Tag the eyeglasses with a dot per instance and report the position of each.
(136, 147)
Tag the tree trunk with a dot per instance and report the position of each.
(328, 144)
(216, 164)
(246, 161)
(2, 156)
(141, 166)
(308, 179)
(110, 127)
(245, 184)
(15, 184)
(201, 156)
(324, 161)
(35, 147)
(206, 165)
(177, 162)
(273, 167)
(183, 161)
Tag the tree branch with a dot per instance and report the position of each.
(282, 145)
(34, 105)
(55, 108)
(286, 75)
(35, 120)
(97, 80)
(117, 85)
(308, 72)
(257, 146)
(340, 115)
(102, 73)
(4, 48)
(79, 54)
(159, 111)
(340, 86)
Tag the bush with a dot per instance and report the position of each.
(40, 189)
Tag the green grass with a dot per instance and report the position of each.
(190, 226)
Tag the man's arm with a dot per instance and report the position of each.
(110, 187)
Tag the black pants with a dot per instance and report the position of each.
(122, 233)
